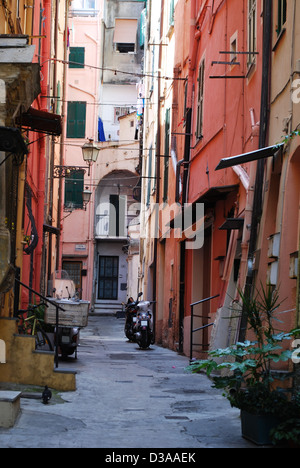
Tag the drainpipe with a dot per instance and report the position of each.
(52, 155)
(158, 152)
(194, 39)
(62, 140)
(263, 132)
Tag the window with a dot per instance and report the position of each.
(252, 13)
(185, 102)
(81, 6)
(76, 119)
(281, 20)
(119, 112)
(76, 57)
(233, 49)
(125, 35)
(149, 182)
(166, 158)
(108, 277)
(74, 185)
(74, 270)
(117, 215)
(199, 128)
(172, 11)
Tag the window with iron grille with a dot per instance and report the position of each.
(74, 268)
(108, 278)
(119, 112)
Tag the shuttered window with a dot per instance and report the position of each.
(76, 119)
(74, 189)
(76, 57)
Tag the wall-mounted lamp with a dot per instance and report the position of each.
(86, 197)
(90, 153)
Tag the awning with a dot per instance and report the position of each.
(41, 121)
(209, 198)
(247, 157)
(51, 229)
(125, 31)
(232, 224)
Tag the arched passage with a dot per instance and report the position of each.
(115, 209)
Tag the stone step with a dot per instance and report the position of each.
(9, 407)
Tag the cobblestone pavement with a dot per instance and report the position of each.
(127, 398)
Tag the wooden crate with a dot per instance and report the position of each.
(75, 314)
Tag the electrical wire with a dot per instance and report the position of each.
(114, 70)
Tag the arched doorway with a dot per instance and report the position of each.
(115, 211)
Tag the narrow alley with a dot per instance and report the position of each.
(127, 398)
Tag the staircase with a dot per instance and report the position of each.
(26, 365)
(106, 309)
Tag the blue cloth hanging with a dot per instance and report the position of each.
(101, 135)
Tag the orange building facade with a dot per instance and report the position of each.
(222, 147)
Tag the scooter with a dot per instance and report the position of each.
(68, 341)
(143, 329)
(131, 318)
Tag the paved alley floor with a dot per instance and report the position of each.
(127, 398)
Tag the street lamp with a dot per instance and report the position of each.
(86, 196)
(90, 153)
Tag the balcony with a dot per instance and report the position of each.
(106, 227)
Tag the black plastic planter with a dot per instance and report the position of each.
(257, 428)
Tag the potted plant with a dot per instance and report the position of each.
(287, 433)
(246, 370)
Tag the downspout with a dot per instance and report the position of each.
(52, 155)
(194, 40)
(158, 140)
(264, 120)
(186, 158)
(62, 140)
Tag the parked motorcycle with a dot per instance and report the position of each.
(68, 341)
(131, 318)
(143, 329)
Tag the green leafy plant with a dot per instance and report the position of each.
(287, 432)
(245, 370)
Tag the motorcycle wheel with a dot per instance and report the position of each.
(129, 334)
(144, 342)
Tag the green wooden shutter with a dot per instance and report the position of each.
(76, 119)
(73, 190)
(76, 57)
(81, 116)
